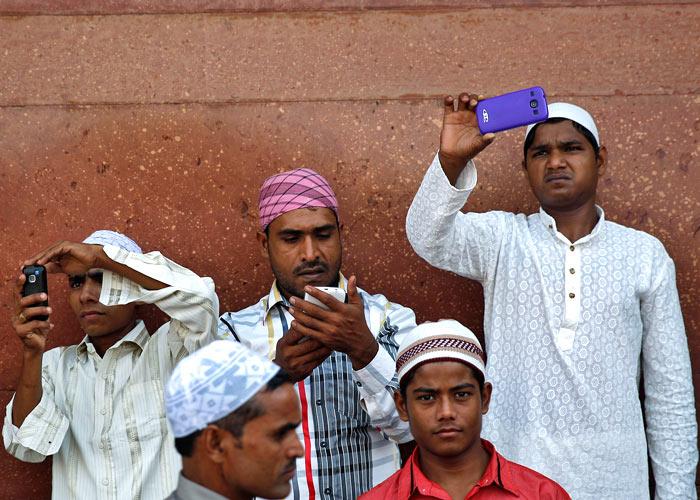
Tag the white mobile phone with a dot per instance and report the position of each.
(337, 293)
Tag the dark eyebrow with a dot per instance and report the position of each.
(466, 385)
(289, 232)
(323, 229)
(281, 431)
(94, 273)
(538, 147)
(299, 232)
(572, 142)
(424, 389)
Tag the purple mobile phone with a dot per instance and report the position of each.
(512, 110)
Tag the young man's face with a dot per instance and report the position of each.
(304, 249)
(444, 406)
(562, 167)
(95, 318)
(262, 461)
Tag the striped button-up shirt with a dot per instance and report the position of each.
(103, 419)
(348, 416)
(570, 327)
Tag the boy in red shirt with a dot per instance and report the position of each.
(443, 396)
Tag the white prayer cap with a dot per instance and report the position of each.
(570, 112)
(104, 237)
(444, 340)
(212, 383)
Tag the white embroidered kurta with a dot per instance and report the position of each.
(570, 327)
(103, 419)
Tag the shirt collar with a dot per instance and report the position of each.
(137, 337)
(551, 225)
(497, 473)
(189, 489)
(275, 296)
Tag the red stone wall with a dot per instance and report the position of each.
(160, 119)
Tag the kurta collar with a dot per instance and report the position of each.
(551, 225)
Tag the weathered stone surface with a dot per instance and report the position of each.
(198, 6)
(347, 56)
(184, 179)
(163, 126)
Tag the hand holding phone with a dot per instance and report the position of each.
(36, 282)
(337, 293)
(512, 110)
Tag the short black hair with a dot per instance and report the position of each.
(234, 422)
(583, 130)
(409, 376)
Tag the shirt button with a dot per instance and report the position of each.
(572, 270)
(319, 402)
(328, 491)
(101, 446)
(324, 444)
(572, 295)
(359, 384)
(572, 248)
(103, 411)
(105, 481)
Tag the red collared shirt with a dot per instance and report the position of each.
(501, 479)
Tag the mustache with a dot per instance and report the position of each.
(315, 266)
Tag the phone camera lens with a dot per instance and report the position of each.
(533, 103)
(32, 278)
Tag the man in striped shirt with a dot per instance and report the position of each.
(342, 357)
(97, 407)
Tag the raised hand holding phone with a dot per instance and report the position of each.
(36, 281)
(460, 138)
(31, 317)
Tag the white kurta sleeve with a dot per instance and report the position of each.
(189, 300)
(466, 244)
(669, 399)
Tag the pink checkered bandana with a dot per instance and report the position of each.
(300, 188)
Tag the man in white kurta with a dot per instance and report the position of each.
(571, 326)
(101, 414)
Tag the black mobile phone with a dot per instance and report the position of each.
(36, 283)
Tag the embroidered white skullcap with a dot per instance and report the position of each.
(444, 340)
(212, 383)
(104, 237)
(570, 112)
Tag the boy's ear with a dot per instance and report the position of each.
(400, 403)
(486, 397)
(602, 160)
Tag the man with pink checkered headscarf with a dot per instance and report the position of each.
(341, 355)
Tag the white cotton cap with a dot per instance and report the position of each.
(570, 112)
(104, 237)
(212, 383)
(444, 340)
